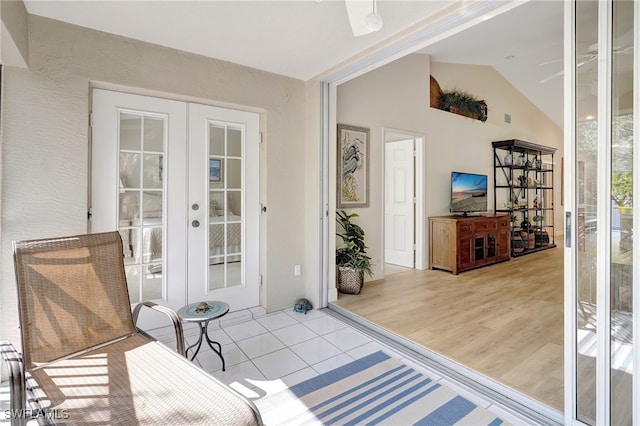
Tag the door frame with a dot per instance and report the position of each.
(328, 105)
(419, 229)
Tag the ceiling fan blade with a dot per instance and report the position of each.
(552, 76)
(357, 11)
(559, 73)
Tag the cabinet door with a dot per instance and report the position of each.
(503, 244)
(465, 252)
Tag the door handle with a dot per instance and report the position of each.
(567, 230)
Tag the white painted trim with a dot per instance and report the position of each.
(571, 249)
(603, 276)
(635, 390)
(421, 208)
(324, 249)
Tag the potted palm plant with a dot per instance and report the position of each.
(352, 260)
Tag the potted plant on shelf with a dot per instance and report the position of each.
(351, 260)
(462, 103)
(538, 219)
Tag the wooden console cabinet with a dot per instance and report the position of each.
(460, 243)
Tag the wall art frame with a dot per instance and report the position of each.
(353, 166)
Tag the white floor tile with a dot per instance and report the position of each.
(310, 315)
(278, 364)
(325, 324)
(277, 320)
(331, 363)
(258, 311)
(235, 318)
(245, 330)
(244, 373)
(210, 361)
(315, 350)
(260, 345)
(294, 334)
(346, 339)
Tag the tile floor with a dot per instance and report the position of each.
(266, 353)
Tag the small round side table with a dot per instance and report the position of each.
(203, 313)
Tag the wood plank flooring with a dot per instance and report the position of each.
(503, 320)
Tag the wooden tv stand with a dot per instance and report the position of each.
(460, 243)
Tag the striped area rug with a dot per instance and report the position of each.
(376, 389)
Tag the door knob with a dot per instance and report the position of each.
(195, 223)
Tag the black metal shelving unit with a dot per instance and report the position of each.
(524, 188)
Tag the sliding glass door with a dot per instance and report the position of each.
(601, 384)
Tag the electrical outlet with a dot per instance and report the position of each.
(297, 270)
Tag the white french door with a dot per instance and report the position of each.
(399, 210)
(179, 181)
(223, 206)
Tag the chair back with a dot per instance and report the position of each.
(72, 295)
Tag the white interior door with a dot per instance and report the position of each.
(149, 169)
(399, 217)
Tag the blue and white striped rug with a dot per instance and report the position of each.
(376, 389)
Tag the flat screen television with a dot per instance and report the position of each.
(468, 193)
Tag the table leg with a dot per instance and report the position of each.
(211, 343)
(203, 331)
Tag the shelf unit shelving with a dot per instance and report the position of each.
(523, 177)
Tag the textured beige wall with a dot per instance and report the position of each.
(45, 142)
(397, 96)
(14, 44)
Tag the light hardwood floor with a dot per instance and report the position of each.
(504, 321)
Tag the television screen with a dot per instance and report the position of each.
(468, 192)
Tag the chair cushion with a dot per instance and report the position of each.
(138, 381)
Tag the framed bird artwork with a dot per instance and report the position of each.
(353, 166)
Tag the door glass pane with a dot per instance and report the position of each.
(225, 206)
(622, 214)
(129, 207)
(141, 206)
(152, 169)
(129, 170)
(152, 204)
(153, 134)
(586, 202)
(234, 142)
(234, 238)
(234, 174)
(216, 140)
(234, 203)
(130, 131)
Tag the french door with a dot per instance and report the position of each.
(179, 181)
(602, 176)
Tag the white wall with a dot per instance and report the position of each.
(397, 96)
(45, 143)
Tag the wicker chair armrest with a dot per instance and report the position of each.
(177, 325)
(17, 384)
